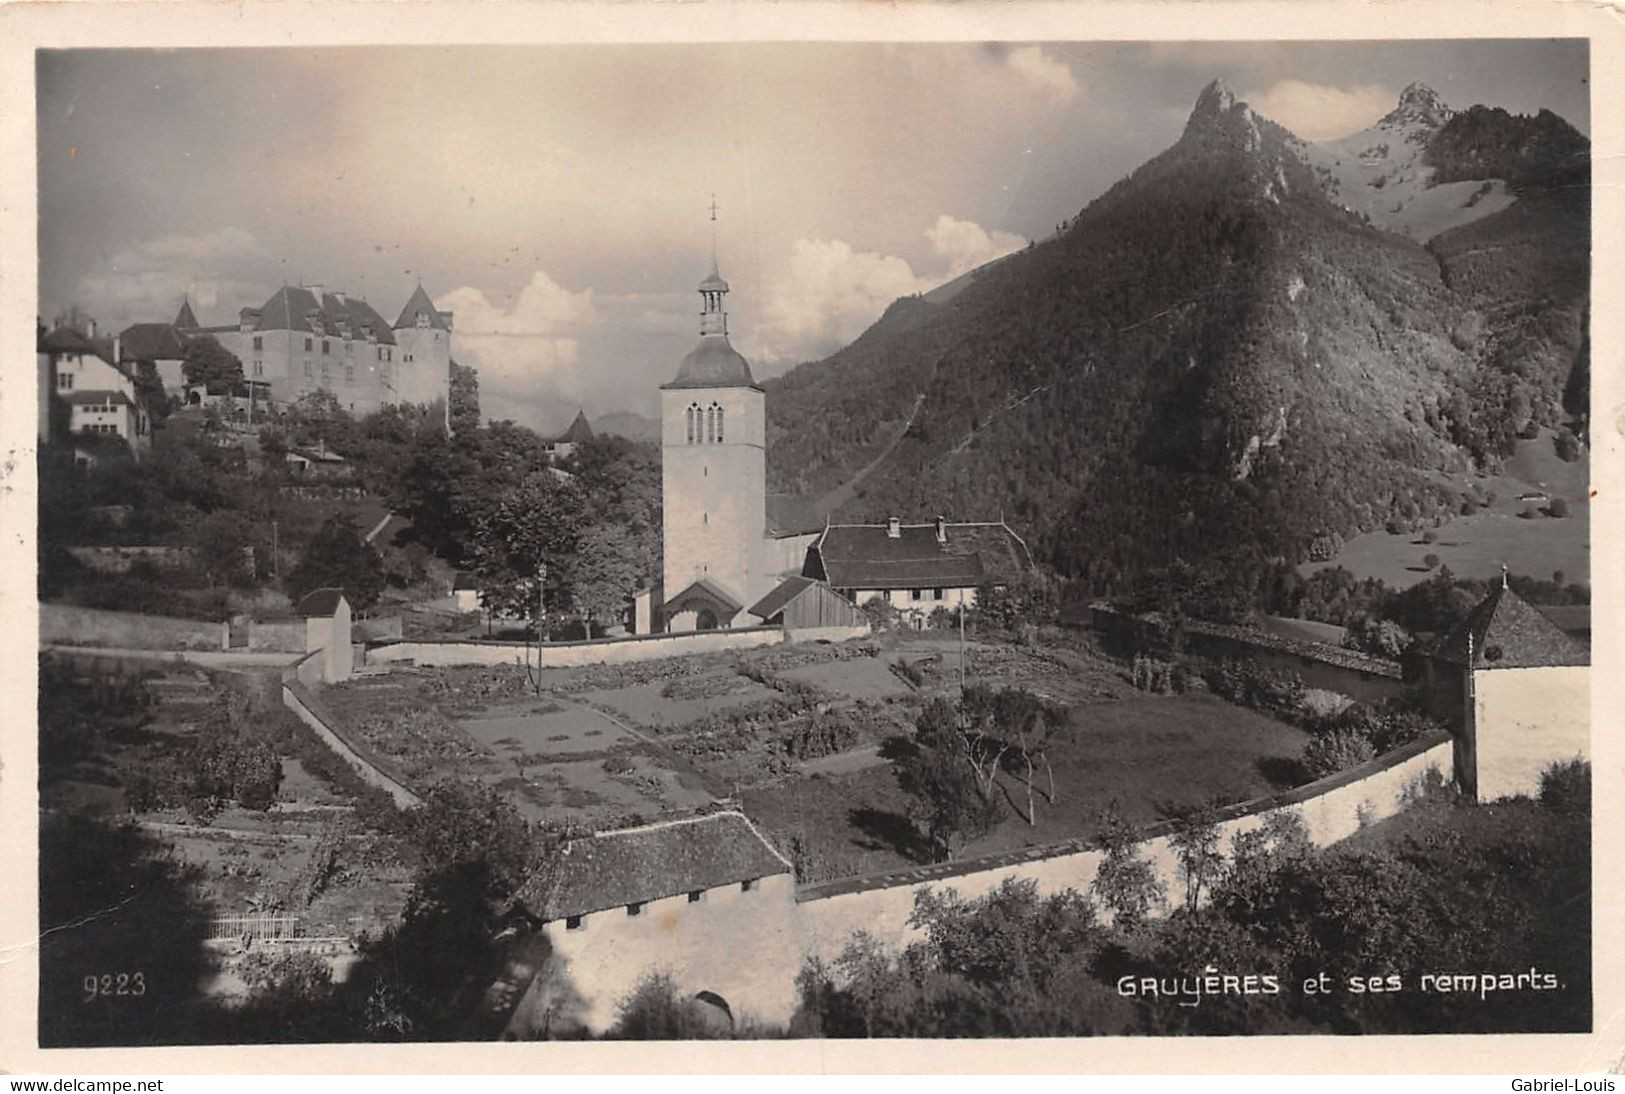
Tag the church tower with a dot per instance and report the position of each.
(714, 476)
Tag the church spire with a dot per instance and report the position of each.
(713, 316)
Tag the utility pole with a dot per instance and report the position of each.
(276, 556)
(961, 642)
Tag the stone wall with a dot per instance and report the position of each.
(1525, 719)
(63, 624)
(612, 651)
(1332, 809)
(299, 694)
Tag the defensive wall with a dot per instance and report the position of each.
(608, 651)
(1524, 719)
(65, 624)
(748, 947)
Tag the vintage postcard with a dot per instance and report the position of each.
(793, 533)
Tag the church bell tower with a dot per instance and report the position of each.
(713, 476)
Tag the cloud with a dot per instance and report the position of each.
(967, 245)
(830, 292)
(1043, 71)
(1319, 112)
(527, 354)
(144, 282)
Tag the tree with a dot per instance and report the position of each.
(221, 541)
(339, 557)
(523, 543)
(1336, 751)
(1019, 728)
(1196, 845)
(211, 365)
(949, 799)
(1125, 884)
(149, 392)
(465, 398)
(605, 573)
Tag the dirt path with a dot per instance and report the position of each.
(844, 763)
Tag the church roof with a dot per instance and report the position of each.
(1507, 633)
(291, 306)
(790, 515)
(713, 363)
(580, 431)
(639, 865)
(417, 303)
(704, 588)
(184, 319)
(866, 556)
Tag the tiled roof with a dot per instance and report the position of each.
(464, 580)
(319, 602)
(1507, 634)
(82, 398)
(865, 556)
(68, 340)
(419, 303)
(152, 342)
(773, 603)
(788, 515)
(184, 319)
(290, 307)
(638, 865)
(713, 363)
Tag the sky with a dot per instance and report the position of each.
(556, 198)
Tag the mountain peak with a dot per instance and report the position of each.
(1216, 99)
(1218, 111)
(1418, 104)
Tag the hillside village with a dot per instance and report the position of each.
(710, 737)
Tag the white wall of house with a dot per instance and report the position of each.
(918, 604)
(88, 372)
(1525, 719)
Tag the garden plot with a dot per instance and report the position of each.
(858, 678)
(656, 706)
(549, 730)
(603, 793)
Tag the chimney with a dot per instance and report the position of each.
(90, 328)
(894, 527)
(116, 357)
(942, 530)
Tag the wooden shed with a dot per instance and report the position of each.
(803, 602)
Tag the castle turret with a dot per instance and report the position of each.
(422, 366)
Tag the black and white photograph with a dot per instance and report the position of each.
(786, 540)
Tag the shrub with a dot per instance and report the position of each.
(1430, 561)
(1336, 751)
(1559, 507)
(1325, 547)
(1568, 446)
(1566, 788)
(1430, 536)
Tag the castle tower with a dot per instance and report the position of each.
(713, 474)
(421, 370)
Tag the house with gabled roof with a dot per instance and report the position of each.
(917, 568)
(707, 899)
(1516, 692)
(97, 397)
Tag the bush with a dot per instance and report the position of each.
(1566, 788)
(1430, 536)
(1336, 751)
(1430, 561)
(1568, 446)
(1558, 508)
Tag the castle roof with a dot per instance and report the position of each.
(868, 556)
(713, 363)
(184, 319)
(580, 431)
(420, 304)
(1506, 633)
(638, 865)
(291, 308)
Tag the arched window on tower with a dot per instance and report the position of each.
(710, 424)
(719, 424)
(690, 415)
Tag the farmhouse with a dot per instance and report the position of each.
(1516, 692)
(98, 400)
(916, 567)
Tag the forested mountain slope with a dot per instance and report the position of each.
(1215, 364)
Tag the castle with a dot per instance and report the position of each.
(306, 339)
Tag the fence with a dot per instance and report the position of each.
(610, 651)
(263, 927)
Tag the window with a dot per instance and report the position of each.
(307, 345)
(572, 923)
(327, 347)
(747, 886)
(308, 372)
(634, 909)
(719, 425)
(710, 424)
(936, 594)
(64, 381)
(259, 368)
(696, 896)
(693, 412)
(259, 342)
(916, 594)
(327, 374)
(349, 374)
(382, 356)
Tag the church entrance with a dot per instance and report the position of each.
(706, 620)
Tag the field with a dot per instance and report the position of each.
(792, 735)
(1477, 545)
